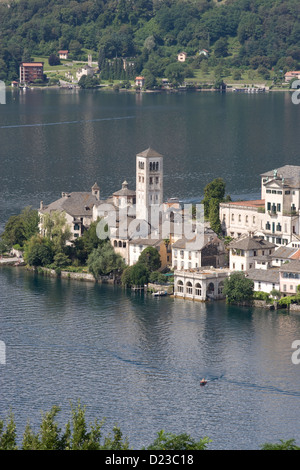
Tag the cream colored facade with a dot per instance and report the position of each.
(275, 215)
(149, 182)
(200, 284)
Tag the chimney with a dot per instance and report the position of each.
(41, 205)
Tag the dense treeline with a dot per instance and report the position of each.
(266, 32)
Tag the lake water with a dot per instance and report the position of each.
(130, 358)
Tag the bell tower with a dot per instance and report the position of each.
(149, 182)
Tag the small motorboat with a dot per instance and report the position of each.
(203, 382)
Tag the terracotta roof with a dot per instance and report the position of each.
(255, 203)
(296, 255)
(32, 64)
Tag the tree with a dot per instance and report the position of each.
(238, 288)
(169, 441)
(136, 275)
(8, 438)
(38, 251)
(150, 258)
(157, 277)
(53, 60)
(221, 47)
(282, 445)
(104, 260)
(213, 190)
(214, 218)
(175, 73)
(19, 228)
(87, 82)
(56, 229)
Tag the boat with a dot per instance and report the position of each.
(203, 382)
(159, 293)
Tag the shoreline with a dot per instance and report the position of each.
(231, 89)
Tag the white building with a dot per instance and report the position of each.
(182, 56)
(200, 284)
(149, 182)
(77, 207)
(275, 215)
(86, 70)
(246, 252)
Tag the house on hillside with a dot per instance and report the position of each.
(31, 71)
(63, 54)
(182, 56)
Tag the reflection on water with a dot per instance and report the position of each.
(138, 361)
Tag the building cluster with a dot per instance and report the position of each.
(264, 234)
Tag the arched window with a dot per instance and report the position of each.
(156, 166)
(180, 286)
(189, 288)
(211, 288)
(120, 244)
(115, 243)
(150, 166)
(198, 290)
(220, 287)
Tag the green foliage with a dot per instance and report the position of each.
(261, 29)
(38, 251)
(238, 288)
(19, 228)
(86, 82)
(61, 260)
(8, 435)
(150, 258)
(104, 260)
(169, 441)
(78, 435)
(157, 277)
(53, 60)
(282, 445)
(215, 190)
(214, 219)
(56, 229)
(136, 275)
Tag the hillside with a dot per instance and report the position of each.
(241, 35)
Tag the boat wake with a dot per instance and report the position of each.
(83, 121)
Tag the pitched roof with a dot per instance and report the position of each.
(265, 275)
(296, 255)
(292, 266)
(290, 173)
(283, 252)
(251, 243)
(77, 204)
(149, 153)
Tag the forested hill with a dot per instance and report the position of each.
(239, 33)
